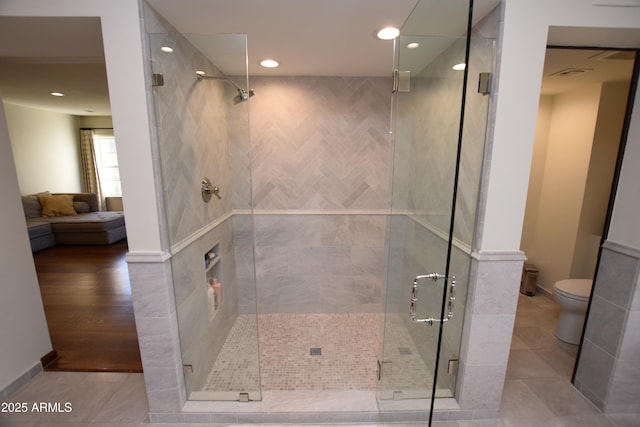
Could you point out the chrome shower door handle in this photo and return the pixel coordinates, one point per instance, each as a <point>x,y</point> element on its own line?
<point>414,298</point>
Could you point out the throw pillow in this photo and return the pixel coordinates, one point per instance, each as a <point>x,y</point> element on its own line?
<point>31,206</point>
<point>60,205</point>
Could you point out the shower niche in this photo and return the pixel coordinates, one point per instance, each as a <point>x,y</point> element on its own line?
<point>213,273</point>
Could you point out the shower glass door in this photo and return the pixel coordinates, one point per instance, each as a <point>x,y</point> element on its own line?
<point>203,137</point>
<point>427,126</point>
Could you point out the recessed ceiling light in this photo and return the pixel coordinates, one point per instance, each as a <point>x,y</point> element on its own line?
<point>388,33</point>
<point>460,67</point>
<point>200,73</point>
<point>57,94</point>
<point>413,45</point>
<point>269,63</point>
<point>166,49</point>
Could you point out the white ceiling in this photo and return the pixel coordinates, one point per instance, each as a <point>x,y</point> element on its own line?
<point>309,37</point>
<point>41,55</point>
<point>567,69</point>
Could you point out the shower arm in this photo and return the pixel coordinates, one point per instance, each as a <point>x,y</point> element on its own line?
<point>243,92</point>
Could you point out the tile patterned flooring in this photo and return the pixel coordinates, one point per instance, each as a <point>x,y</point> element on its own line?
<point>537,390</point>
<point>349,345</point>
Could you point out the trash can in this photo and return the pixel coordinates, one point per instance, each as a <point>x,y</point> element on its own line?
<point>529,280</point>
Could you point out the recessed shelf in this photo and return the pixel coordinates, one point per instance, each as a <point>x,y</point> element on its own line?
<point>213,285</point>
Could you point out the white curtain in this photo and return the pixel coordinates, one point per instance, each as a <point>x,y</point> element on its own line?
<point>90,176</point>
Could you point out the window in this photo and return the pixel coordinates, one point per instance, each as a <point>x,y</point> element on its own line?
<point>107,164</point>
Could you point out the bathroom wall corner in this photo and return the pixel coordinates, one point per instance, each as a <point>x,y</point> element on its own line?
<point>604,374</point>
<point>488,328</point>
<point>158,338</point>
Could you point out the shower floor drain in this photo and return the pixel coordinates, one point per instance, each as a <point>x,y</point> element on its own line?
<point>404,350</point>
<point>315,351</point>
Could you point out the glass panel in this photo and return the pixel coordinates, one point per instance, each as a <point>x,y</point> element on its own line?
<point>203,132</point>
<point>427,126</point>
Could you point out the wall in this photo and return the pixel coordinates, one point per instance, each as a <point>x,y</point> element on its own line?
<point>96,122</point>
<point>536,179</point>
<point>556,210</point>
<point>45,146</point>
<point>525,27</point>
<point>321,165</point>
<point>120,22</point>
<point>608,371</point>
<point>604,153</point>
<point>572,172</point>
<point>23,329</point>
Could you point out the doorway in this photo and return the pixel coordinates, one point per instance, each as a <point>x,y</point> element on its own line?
<point>85,289</point>
<point>580,125</point>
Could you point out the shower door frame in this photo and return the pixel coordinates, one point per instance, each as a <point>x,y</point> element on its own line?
<point>419,283</point>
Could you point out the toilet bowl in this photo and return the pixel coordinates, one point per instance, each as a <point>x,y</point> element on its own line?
<point>573,297</point>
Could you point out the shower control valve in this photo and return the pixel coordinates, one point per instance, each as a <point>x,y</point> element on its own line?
<point>207,189</point>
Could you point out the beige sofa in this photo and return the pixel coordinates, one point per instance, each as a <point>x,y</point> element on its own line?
<point>70,219</point>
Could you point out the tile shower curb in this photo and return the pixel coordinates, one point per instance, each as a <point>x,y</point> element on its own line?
<point>252,414</point>
<point>315,417</point>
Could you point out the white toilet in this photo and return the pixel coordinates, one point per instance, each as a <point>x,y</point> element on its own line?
<point>573,297</point>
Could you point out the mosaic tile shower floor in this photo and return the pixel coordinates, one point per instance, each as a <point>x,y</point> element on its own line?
<point>349,345</point>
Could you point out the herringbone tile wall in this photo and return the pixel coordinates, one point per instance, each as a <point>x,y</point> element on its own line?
<point>321,142</point>
<point>193,135</point>
<point>321,164</point>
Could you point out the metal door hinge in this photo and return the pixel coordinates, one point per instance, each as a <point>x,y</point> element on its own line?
<point>157,79</point>
<point>384,368</point>
<point>484,83</point>
<point>452,366</point>
<point>401,81</point>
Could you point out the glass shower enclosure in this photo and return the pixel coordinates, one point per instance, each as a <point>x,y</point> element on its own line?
<point>439,121</point>
<point>397,258</point>
<point>204,156</point>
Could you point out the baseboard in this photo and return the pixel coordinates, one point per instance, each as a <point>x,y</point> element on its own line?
<point>543,291</point>
<point>49,358</point>
<point>14,385</point>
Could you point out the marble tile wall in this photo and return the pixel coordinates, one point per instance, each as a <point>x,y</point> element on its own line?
<point>428,122</point>
<point>608,372</point>
<point>427,132</point>
<point>243,239</point>
<point>488,326</point>
<point>193,139</point>
<point>202,336</point>
<point>331,263</point>
<point>320,142</point>
<point>156,322</point>
<point>321,159</point>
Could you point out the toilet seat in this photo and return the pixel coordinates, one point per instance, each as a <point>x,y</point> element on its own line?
<point>577,289</point>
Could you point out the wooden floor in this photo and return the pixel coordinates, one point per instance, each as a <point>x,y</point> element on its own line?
<point>87,300</point>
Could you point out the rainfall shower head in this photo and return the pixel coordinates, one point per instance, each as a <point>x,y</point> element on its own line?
<point>243,94</point>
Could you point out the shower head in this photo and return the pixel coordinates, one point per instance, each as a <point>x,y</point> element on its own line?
<point>243,94</point>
